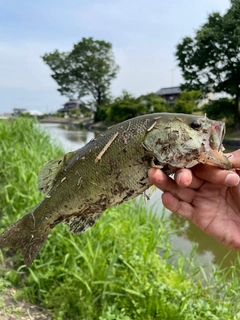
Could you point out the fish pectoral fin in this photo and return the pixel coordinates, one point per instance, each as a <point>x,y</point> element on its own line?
<point>149,192</point>
<point>50,171</point>
<point>81,223</point>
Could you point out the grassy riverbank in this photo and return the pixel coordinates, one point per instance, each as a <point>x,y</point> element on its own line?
<point>118,269</point>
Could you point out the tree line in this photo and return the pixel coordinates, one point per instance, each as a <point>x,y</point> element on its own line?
<point>209,61</point>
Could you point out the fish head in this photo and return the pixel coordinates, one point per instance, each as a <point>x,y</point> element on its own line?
<point>182,141</point>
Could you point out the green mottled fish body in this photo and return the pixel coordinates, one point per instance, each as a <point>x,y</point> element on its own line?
<point>111,169</point>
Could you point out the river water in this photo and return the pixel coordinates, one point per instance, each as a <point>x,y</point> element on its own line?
<point>208,251</point>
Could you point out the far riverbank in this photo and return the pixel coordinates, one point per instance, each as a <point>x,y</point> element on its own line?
<point>84,123</point>
<point>89,124</point>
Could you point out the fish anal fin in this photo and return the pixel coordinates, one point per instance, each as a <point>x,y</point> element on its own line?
<point>50,171</point>
<point>81,223</point>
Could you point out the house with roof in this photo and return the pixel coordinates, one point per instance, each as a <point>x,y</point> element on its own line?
<point>169,94</point>
<point>18,111</point>
<point>71,105</point>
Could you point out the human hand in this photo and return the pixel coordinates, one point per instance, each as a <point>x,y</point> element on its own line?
<point>206,195</point>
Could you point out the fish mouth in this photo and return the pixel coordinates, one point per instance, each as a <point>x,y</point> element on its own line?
<point>215,137</point>
<point>214,149</point>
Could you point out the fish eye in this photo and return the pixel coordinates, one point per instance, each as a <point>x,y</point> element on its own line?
<point>196,125</point>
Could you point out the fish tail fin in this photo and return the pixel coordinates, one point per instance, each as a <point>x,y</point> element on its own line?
<point>26,235</point>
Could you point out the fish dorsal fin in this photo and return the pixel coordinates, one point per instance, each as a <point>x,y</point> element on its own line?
<point>49,172</point>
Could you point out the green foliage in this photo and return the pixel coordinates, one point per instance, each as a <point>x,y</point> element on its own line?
<point>86,112</point>
<point>23,150</point>
<point>154,103</point>
<point>59,114</point>
<point>124,107</point>
<point>127,106</point>
<point>101,113</point>
<point>220,109</point>
<point>187,101</point>
<point>25,115</point>
<point>116,270</point>
<point>75,113</point>
<point>86,70</point>
<point>211,60</point>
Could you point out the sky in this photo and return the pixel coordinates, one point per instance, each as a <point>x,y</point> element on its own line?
<point>144,35</point>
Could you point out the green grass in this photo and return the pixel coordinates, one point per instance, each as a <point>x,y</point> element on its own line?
<point>23,151</point>
<point>119,269</point>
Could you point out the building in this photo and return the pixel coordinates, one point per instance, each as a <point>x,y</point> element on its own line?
<point>35,113</point>
<point>70,105</point>
<point>18,111</point>
<point>209,97</point>
<point>172,93</point>
<point>169,94</point>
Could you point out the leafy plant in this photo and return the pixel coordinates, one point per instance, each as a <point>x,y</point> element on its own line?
<point>210,62</point>
<point>187,101</point>
<point>220,109</point>
<point>127,106</point>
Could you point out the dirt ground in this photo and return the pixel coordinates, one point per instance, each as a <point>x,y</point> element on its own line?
<point>10,309</point>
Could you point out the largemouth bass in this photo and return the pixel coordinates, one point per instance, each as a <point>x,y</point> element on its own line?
<point>111,169</point>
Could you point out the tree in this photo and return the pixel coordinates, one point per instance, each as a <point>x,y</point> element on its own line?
<point>211,60</point>
<point>154,103</point>
<point>127,106</point>
<point>124,107</point>
<point>220,109</point>
<point>86,70</point>
<point>187,101</point>
<point>75,113</point>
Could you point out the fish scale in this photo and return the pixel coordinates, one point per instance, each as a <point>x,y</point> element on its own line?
<point>111,169</point>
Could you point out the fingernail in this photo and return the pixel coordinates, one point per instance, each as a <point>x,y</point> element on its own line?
<point>232,180</point>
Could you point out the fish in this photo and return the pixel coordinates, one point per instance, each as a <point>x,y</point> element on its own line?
<point>111,169</point>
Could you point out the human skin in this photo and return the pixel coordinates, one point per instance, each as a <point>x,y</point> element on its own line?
<point>206,195</point>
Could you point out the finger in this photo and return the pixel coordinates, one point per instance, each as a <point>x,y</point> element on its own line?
<point>160,179</point>
<point>185,178</point>
<point>234,158</point>
<point>216,175</point>
<point>173,204</point>
<point>165,183</point>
